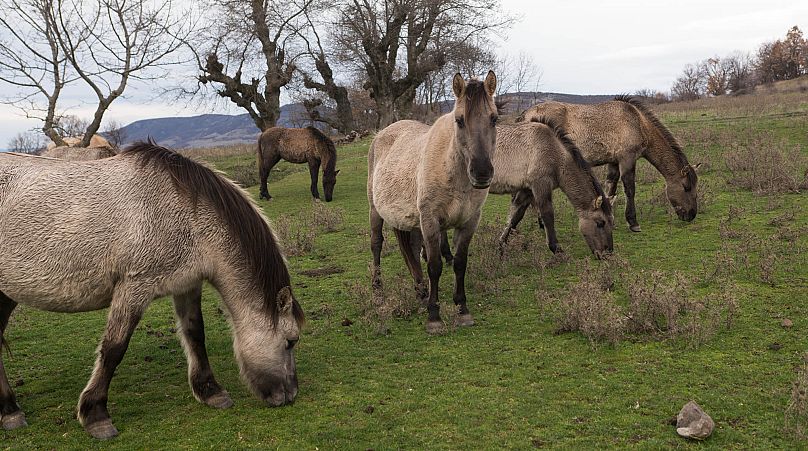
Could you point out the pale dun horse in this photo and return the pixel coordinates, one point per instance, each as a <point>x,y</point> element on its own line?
<point>422,180</point>
<point>124,231</point>
<point>616,134</point>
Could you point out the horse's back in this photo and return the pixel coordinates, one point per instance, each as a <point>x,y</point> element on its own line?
<point>70,231</point>
<point>605,132</point>
<point>525,152</point>
<point>294,145</point>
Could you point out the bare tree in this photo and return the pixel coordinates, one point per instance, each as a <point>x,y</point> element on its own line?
<point>103,43</point>
<point>115,133</point>
<point>395,44</point>
<point>27,142</point>
<point>690,85</point>
<point>716,72</point>
<point>741,75</point>
<point>253,53</point>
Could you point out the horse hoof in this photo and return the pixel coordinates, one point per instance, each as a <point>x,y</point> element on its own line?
<point>435,328</point>
<point>102,430</point>
<point>14,420</point>
<point>464,320</point>
<point>220,400</point>
<point>635,228</point>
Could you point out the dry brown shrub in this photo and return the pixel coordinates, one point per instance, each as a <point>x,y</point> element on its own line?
<point>485,267</point>
<point>590,309</point>
<point>246,175</point>
<point>297,237</point>
<point>396,297</point>
<point>765,165</point>
<point>328,219</point>
<point>796,415</point>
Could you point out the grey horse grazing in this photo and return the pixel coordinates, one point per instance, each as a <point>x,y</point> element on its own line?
<point>422,180</point>
<point>122,232</point>
<point>535,158</point>
<point>619,132</point>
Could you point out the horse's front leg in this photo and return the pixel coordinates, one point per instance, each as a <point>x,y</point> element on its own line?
<point>125,312</point>
<point>314,171</point>
<point>627,173</point>
<point>191,330</point>
<point>10,414</point>
<point>462,240</point>
<point>544,197</point>
<point>430,228</point>
<point>266,168</point>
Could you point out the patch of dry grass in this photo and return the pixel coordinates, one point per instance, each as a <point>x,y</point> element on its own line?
<point>796,415</point>
<point>765,165</point>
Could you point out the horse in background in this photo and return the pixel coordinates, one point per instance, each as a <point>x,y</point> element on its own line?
<point>619,132</point>
<point>98,149</point>
<point>424,179</point>
<point>298,145</point>
<point>122,232</point>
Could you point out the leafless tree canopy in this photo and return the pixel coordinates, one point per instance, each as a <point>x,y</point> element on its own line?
<point>27,142</point>
<point>47,45</point>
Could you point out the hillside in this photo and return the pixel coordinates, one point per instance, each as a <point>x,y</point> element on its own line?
<point>210,130</point>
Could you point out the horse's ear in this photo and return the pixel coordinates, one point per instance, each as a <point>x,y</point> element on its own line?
<point>696,167</point>
<point>613,200</point>
<point>336,172</point>
<point>285,300</point>
<point>491,83</point>
<point>597,202</point>
<point>458,85</point>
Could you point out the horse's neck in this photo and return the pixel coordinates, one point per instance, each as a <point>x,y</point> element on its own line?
<point>576,183</point>
<point>442,143</point>
<point>663,157</point>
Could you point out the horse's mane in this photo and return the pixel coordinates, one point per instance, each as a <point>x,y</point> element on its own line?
<point>251,230</point>
<point>562,135</point>
<point>329,149</point>
<point>476,96</point>
<point>666,134</point>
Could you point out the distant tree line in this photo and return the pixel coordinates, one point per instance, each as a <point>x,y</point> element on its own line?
<point>738,73</point>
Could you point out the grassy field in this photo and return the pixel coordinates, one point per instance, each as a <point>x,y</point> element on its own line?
<point>372,378</point>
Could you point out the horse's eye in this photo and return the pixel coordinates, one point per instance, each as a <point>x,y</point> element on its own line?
<point>494,120</point>
<point>291,343</point>
<point>601,224</point>
<point>460,122</point>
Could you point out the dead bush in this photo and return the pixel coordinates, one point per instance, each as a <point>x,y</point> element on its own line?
<point>327,219</point>
<point>396,297</point>
<point>485,267</point>
<point>796,415</point>
<point>296,237</point>
<point>765,165</point>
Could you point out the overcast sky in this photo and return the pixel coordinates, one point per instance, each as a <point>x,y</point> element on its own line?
<point>582,47</point>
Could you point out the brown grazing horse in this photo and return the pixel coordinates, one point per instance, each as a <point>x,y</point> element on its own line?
<point>121,232</point>
<point>422,180</point>
<point>298,145</point>
<point>619,132</point>
<point>531,161</point>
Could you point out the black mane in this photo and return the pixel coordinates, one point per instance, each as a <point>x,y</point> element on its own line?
<point>255,239</point>
<point>327,144</point>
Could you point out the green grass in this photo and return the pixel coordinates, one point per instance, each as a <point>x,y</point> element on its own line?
<point>510,381</point>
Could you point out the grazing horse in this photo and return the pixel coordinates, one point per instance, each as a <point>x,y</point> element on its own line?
<point>619,132</point>
<point>71,153</point>
<point>73,141</point>
<point>298,145</point>
<point>122,232</point>
<point>535,158</point>
<point>422,180</point>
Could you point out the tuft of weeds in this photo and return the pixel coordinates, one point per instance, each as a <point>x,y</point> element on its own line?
<point>392,297</point>
<point>327,219</point>
<point>796,415</point>
<point>485,267</point>
<point>296,237</point>
<point>246,175</point>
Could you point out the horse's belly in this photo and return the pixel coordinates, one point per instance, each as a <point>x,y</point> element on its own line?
<point>68,294</point>
<point>394,198</point>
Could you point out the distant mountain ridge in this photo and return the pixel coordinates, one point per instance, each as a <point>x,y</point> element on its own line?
<point>209,130</point>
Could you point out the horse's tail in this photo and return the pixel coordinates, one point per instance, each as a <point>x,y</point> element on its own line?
<point>569,145</point>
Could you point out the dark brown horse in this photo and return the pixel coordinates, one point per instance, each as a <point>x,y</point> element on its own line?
<point>298,145</point>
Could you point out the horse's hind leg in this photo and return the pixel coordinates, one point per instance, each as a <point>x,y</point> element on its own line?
<point>520,201</point>
<point>462,240</point>
<point>430,228</point>
<point>314,170</point>
<point>125,312</point>
<point>376,242</point>
<point>627,174</point>
<point>10,414</point>
<point>191,329</point>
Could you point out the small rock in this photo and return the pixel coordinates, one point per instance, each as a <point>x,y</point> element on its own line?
<point>693,422</point>
<point>346,322</point>
<point>787,323</point>
<point>369,409</point>
<point>775,346</point>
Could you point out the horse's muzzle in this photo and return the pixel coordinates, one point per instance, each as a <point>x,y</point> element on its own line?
<point>282,394</point>
<point>480,184</point>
